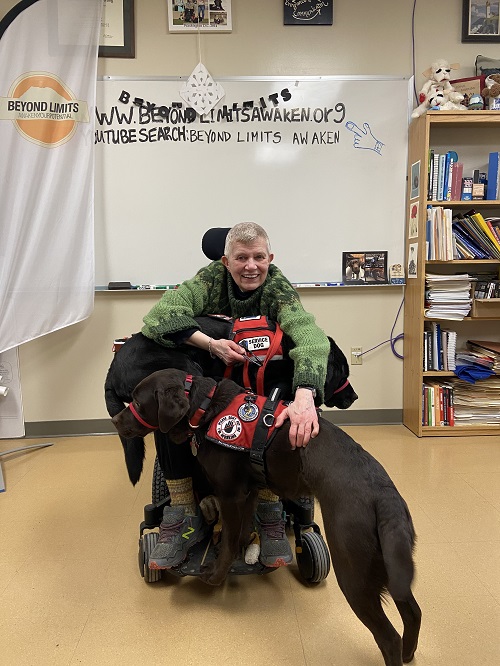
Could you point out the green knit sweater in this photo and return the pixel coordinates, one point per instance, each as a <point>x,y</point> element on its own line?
<point>211,291</point>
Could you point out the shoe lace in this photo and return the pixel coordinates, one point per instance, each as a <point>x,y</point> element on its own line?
<point>167,531</point>
<point>274,529</point>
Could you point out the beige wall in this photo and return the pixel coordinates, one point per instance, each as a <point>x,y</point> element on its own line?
<point>62,374</point>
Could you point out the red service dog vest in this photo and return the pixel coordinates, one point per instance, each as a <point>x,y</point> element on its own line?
<point>235,426</point>
<point>261,338</point>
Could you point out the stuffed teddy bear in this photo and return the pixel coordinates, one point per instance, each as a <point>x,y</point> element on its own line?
<point>492,90</point>
<point>438,100</point>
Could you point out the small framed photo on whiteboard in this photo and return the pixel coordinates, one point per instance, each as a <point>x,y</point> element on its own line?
<point>199,16</point>
<point>364,267</point>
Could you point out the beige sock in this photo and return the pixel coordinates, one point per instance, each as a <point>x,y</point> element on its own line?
<point>265,495</point>
<point>181,494</point>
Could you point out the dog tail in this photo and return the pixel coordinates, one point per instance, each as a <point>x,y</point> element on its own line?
<point>134,449</point>
<point>397,540</point>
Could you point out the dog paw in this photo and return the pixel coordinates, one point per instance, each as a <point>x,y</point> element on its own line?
<point>210,508</point>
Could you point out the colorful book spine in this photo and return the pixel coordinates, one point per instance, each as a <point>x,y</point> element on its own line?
<point>435,177</point>
<point>482,224</point>
<point>493,176</point>
<point>442,161</point>
<point>456,186</point>
<point>466,194</point>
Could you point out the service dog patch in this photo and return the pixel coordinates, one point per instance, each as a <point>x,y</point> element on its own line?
<point>248,412</point>
<point>236,425</point>
<point>228,427</point>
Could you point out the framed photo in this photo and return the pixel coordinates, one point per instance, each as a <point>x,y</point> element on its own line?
<point>364,267</point>
<point>117,29</point>
<point>308,12</point>
<point>199,15</point>
<point>415,180</point>
<point>480,21</point>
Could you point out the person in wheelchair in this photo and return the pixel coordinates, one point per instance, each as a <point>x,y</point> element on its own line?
<point>243,282</point>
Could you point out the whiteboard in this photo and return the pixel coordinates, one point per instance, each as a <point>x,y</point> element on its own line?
<point>319,162</point>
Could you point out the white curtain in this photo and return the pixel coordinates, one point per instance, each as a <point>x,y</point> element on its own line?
<point>48,63</point>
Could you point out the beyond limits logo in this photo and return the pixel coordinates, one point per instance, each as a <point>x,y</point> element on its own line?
<point>43,109</point>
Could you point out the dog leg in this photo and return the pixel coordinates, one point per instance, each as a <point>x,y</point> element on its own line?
<point>358,565</point>
<point>411,615</point>
<point>365,602</point>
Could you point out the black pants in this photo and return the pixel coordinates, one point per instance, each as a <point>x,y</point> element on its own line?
<point>176,460</point>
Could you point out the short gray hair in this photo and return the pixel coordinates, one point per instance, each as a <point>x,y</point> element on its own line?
<point>246,233</point>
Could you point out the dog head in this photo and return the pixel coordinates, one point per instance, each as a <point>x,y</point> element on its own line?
<point>160,401</point>
<point>338,391</point>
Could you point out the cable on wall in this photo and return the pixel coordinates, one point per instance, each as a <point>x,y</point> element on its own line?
<point>392,339</point>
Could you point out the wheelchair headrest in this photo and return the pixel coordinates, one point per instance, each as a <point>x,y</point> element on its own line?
<point>213,242</point>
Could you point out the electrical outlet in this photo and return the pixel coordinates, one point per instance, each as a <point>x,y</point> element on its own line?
<point>356,358</point>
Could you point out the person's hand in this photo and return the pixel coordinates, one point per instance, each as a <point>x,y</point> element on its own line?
<point>303,417</point>
<point>228,351</point>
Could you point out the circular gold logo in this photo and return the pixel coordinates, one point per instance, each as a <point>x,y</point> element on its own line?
<point>44,110</point>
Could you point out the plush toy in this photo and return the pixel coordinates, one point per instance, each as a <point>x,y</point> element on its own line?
<point>492,90</point>
<point>438,76</point>
<point>437,100</point>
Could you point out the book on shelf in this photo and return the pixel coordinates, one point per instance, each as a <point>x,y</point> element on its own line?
<point>493,176</point>
<point>489,349</point>
<point>485,228</point>
<point>477,404</point>
<point>441,172</point>
<point>439,348</point>
<point>494,225</point>
<point>474,225</point>
<point>466,188</point>
<point>435,177</point>
<point>456,184</point>
<point>437,404</point>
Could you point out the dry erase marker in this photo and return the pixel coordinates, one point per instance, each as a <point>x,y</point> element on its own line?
<point>155,286</point>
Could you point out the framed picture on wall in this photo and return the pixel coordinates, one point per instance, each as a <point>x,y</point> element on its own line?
<point>117,38</point>
<point>199,15</point>
<point>364,267</point>
<point>308,12</point>
<point>480,21</point>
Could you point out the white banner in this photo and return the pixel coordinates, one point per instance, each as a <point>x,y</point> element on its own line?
<point>48,63</point>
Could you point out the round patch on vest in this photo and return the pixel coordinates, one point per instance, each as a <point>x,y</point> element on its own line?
<point>248,412</point>
<point>229,427</point>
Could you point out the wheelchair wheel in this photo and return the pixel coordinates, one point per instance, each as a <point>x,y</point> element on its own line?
<point>159,490</point>
<point>146,544</point>
<point>314,560</point>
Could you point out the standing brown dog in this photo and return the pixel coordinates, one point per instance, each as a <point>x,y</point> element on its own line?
<point>367,523</point>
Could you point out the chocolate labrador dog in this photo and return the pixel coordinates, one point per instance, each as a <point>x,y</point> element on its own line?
<point>368,526</point>
<point>140,356</point>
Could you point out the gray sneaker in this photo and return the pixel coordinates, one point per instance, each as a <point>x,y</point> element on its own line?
<point>275,550</point>
<point>178,533</point>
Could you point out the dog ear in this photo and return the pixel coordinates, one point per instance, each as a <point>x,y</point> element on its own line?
<point>172,406</point>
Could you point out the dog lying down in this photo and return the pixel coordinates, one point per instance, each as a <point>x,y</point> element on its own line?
<point>368,526</point>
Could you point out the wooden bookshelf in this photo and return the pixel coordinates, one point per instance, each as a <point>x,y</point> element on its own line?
<point>473,134</point>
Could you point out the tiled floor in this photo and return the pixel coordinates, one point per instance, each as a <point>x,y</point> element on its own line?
<point>71,592</point>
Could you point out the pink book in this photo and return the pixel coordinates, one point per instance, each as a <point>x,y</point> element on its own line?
<point>456,183</point>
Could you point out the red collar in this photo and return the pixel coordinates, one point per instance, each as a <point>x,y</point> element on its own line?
<point>341,388</point>
<point>140,419</point>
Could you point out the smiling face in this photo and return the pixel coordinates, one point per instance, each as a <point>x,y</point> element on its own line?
<point>248,263</point>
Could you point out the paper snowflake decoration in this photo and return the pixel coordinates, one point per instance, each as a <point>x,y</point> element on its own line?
<point>200,91</point>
